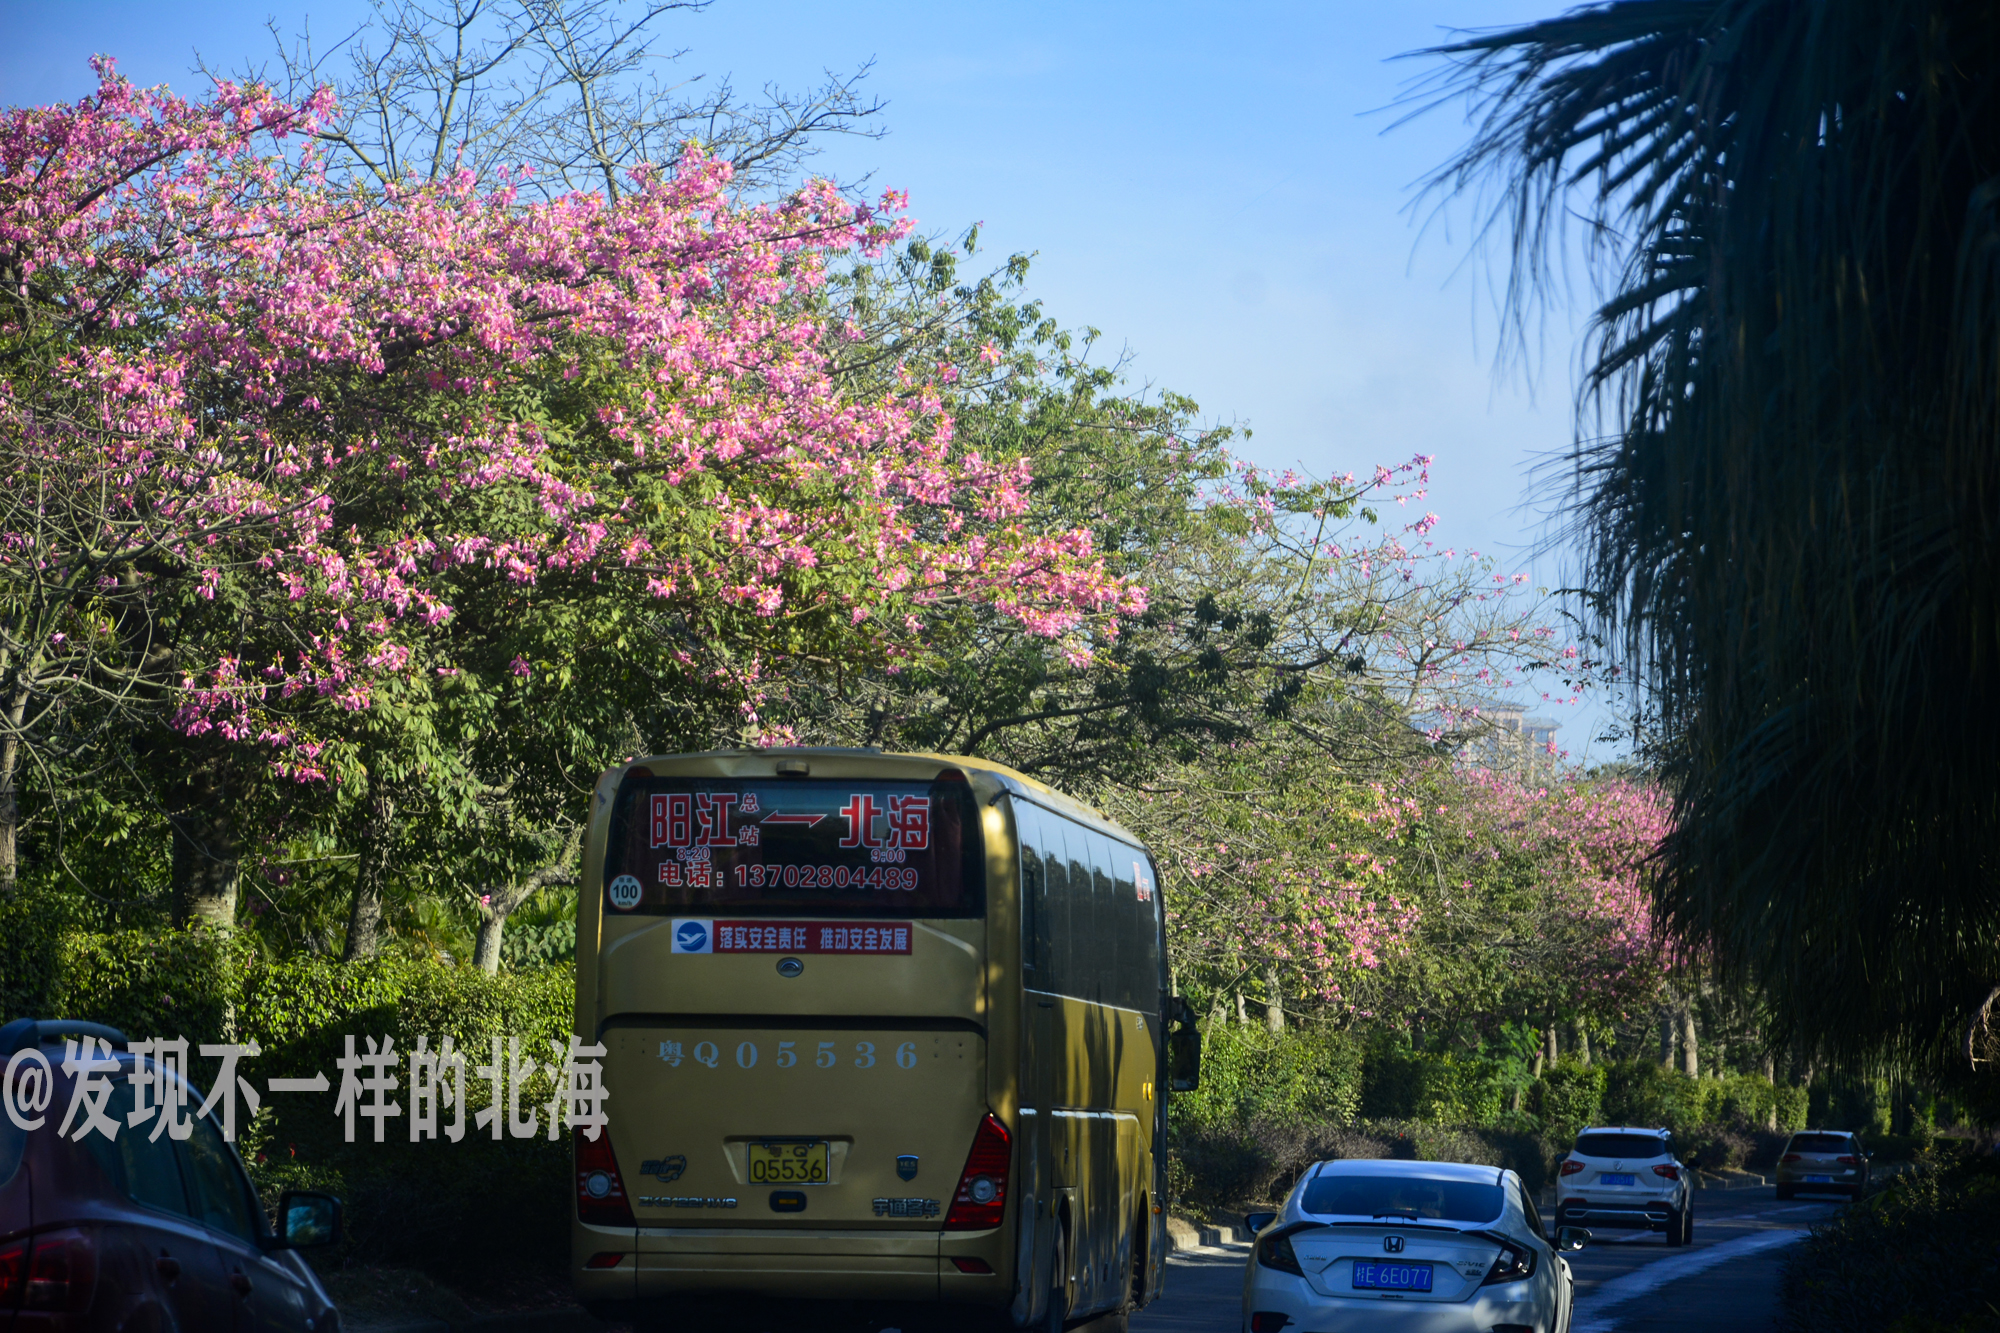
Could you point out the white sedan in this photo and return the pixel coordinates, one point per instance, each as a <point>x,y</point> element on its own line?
<point>1427,1247</point>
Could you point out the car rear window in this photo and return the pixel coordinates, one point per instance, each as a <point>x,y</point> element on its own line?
<point>1821,1143</point>
<point>1419,1198</point>
<point>1620,1145</point>
<point>782,846</point>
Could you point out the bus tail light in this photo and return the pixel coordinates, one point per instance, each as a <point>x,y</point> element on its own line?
<point>982,1186</point>
<point>600,1190</point>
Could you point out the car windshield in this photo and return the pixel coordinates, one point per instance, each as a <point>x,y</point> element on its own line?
<point>1821,1143</point>
<point>1620,1145</point>
<point>1416,1197</point>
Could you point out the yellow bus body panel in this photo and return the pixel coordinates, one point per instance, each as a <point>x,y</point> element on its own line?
<point>951,1037</point>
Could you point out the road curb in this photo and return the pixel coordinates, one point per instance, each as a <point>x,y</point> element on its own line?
<point>1728,1180</point>
<point>1186,1234</point>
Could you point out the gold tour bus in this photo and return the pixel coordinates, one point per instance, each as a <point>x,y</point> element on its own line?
<point>879,1028</point>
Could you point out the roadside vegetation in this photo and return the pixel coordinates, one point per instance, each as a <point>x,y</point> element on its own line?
<point>372,498</point>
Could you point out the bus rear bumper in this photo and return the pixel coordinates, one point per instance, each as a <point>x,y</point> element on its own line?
<point>797,1264</point>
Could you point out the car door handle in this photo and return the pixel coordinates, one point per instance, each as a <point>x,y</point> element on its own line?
<point>239,1283</point>
<point>168,1266</point>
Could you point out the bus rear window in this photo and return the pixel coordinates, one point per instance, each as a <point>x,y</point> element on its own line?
<point>812,847</point>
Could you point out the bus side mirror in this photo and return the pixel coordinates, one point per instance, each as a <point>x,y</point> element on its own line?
<point>1183,1046</point>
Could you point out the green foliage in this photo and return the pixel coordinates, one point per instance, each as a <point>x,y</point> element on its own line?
<point>1247,1073</point>
<point>406,1203</point>
<point>1921,1256</point>
<point>1400,1083</point>
<point>1569,1094</point>
<point>1790,424</point>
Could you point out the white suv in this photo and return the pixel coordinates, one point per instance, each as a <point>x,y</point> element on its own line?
<point>1625,1177</point>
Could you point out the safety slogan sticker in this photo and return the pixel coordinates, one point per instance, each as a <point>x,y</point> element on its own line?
<point>699,936</point>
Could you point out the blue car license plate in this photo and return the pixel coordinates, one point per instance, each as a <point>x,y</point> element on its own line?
<point>1819,1180</point>
<point>1370,1275</point>
<point>1613,1178</point>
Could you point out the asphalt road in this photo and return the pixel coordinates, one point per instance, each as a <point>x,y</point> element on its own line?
<point>1626,1281</point>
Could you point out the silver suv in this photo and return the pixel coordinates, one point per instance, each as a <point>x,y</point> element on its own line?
<point>1619,1176</point>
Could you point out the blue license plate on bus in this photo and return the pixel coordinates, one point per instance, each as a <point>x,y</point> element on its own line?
<point>1613,1178</point>
<point>1819,1180</point>
<point>1373,1276</point>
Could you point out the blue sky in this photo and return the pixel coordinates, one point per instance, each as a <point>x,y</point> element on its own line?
<point>1216,187</point>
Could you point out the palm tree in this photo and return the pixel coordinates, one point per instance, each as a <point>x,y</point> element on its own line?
<point>1787,476</point>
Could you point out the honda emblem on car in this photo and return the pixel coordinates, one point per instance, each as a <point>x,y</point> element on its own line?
<point>1392,1244</point>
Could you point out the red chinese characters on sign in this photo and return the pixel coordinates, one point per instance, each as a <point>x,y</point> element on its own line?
<point>882,937</point>
<point>702,819</point>
<point>910,822</point>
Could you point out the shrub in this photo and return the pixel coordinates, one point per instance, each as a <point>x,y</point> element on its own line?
<point>1922,1256</point>
<point>1310,1075</point>
<point>1401,1083</point>
<point>406,1202</point>
<point>1568,1094</point>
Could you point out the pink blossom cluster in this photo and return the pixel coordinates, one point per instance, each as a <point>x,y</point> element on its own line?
<point>1590,843</point>
<point>260,357</point>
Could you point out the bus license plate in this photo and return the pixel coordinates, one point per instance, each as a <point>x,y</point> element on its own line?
<point>794,1163</point>
<point>1370,1275</point>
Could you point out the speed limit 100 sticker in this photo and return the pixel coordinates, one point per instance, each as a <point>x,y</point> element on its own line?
<point>796,1053</point>
<point>624,893</point>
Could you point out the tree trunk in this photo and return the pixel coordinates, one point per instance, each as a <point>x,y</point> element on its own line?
<point>1769,1068</point>
<point>1549,1051</point>
<point>10,805</point>
<point>205,849</point>
<point>1242,1010</point>
<point>371,881</point>
<point>1690,1065</point>
<point>1581,1033</point>
<point>1666,1038</point>
<point>1274,1002</point>
<point>486,945</point>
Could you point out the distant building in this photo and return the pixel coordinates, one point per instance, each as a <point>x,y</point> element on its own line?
<point>1502,736</point>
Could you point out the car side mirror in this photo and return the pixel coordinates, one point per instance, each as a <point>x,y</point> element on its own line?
<point>1868,1156</point>
<point>1571,1239</point>
<point>307,1220</point>
<point>1694,1163</point>
<point>1258,1221</point>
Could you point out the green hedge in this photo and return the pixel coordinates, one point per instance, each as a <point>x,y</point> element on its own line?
<point>407,1202</point>
<point>1309,1075</point>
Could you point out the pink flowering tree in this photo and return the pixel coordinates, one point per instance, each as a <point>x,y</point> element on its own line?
<point>290,433</point>
<point>1535,893</point>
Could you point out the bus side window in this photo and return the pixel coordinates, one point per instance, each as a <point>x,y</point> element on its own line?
<point>1034,899</point>
<point>1057,918</point>
<point>1109,921</point>
<point>1136,989</point>
<point>1083,959</point>
<point>1157,980</point>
